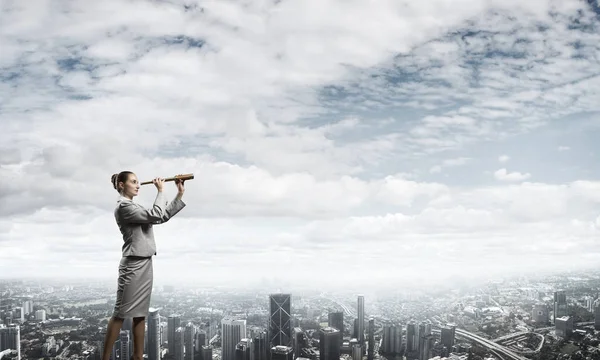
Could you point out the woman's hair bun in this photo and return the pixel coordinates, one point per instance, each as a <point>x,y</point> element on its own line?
<point>113,180</point>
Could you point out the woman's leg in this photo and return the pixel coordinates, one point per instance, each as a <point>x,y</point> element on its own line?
<point>139,324</point>
<point>112,333</point>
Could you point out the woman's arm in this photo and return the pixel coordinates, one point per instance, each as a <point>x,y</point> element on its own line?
<point>130,212</point>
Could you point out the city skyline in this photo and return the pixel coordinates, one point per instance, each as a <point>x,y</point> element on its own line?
<point>427,142</point>
<point>503,320</point>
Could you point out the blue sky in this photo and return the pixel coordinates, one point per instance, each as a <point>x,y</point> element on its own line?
<point>454,136</point>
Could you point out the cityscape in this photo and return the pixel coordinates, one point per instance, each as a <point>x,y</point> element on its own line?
<point>365,180</point>
<point>545,317</point>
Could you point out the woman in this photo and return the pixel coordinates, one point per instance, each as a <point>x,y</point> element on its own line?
<point>135,269</point>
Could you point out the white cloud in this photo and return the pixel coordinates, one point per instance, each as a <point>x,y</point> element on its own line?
<point>449,163</point>
<point>564,148</point>
<point>504,175</point>
<point>311,136</point>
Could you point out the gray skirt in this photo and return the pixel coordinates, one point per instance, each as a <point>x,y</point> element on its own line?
<point>134,287</point>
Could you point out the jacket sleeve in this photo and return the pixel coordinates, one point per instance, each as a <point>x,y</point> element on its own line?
<point>160,213</point>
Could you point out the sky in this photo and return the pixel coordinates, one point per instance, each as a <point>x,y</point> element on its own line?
<point>333,143</point>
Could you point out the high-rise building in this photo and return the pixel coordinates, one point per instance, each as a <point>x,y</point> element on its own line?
<point>188,341</point>
<point>560,304</point>
<point>232,332</point>
<point>124,344</point>
<point>280,325</point>
<point>597,314</point>
<point>19,314</point>
<point>539,314</point>
<point>386,341</point>
<point>153,334</point>
<point>10,338</point>
<point>128,326</point>
<point>40,315</point>
<point>412,337</point>
<point>392,339</point>
<point>207,352</point>
<point>173,323</point>
<point>448,335</point>
<point>428,343</point>
<point>28,307</point>
<point>424,332</point>
<point>299,341</point>
<point>200,341</point>
<point>336,320</point>
<point>179,343</point>
<point>361,320</point>
<point>259,348</point>
<point>371,349</point>
<point>280,352</point>
<point>563,326</point>
<point>356,352</point>
<point>242,350</point>
<point>329,344</point>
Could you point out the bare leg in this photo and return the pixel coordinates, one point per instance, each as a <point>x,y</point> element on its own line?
<point>139,324</point>
<point>112,333</point>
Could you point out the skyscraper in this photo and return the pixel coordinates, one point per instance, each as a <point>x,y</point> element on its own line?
<point>299,341</point>
<point>153,334</point>
<point>560,304</point>
<point>242,349</point>
<point>188,341</point>
<point>280,325</point>
<point>412,337</point>
<point>361,320</point>
<point>232,332</point>
<point>259,347</point>
<point>329,344</point>
<point>356,352</point>
<point>174,322</point>
<point>280,352</point>
<point>200,341</point>
<point>597,314</point>
<point>336,320</point>
<point>428,343</point>
<point>10,338</point>
<point>371,354</point>
<point>179,343</point>
<point>448,335</point>
<point>424,332</point>
<point>392,339</point>
<point>539,314</point>
<point>207,352</point>
<point>124,344</point>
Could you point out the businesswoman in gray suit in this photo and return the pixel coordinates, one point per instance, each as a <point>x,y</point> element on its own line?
<point>135,269</point>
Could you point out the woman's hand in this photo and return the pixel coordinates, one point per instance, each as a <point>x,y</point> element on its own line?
<point>180,185</point>
<point>158,182</point>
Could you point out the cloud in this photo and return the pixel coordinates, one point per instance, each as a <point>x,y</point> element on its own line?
<point>503,158</point>
<point>449,163</point>
<point>504,175</point>
<point>311,136</point>
<point>564,148</point>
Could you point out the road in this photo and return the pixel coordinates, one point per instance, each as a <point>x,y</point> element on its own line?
<point>347,311</point>
<point>488,344</point>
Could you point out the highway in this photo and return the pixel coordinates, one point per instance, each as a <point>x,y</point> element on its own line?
<point>346,310</point>
<point>506,337</point>
<point>490,344</point>
<point>487,343</point>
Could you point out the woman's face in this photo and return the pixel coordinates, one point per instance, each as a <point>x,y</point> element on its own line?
<point>131,186</point>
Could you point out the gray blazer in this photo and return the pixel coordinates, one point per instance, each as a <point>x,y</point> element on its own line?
<point>135,223</point>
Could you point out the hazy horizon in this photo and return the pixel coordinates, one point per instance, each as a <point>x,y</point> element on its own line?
<point>405,142</point>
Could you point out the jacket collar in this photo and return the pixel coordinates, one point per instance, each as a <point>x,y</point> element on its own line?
<point>123,198</point>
